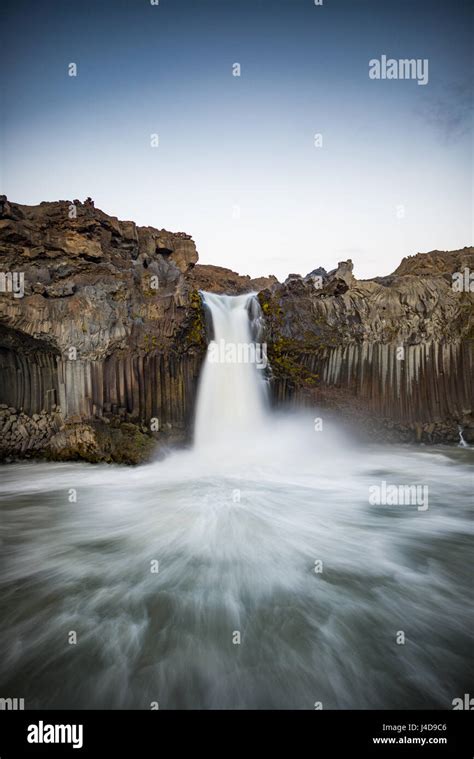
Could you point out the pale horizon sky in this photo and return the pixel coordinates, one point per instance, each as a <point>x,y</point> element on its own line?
<point>236,165</point>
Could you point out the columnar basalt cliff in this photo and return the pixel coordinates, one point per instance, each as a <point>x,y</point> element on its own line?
<point>107,337</point>
<point>395,354</point>
<point>102,343</point>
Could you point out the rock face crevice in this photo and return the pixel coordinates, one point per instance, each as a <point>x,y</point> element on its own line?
<point>103,334</point>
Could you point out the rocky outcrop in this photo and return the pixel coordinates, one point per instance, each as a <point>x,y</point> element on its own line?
<point>102,335</point>
<point>393,353</point>
<point>25,435</point>
<point>108,328</point>
<point>216,279</point>
<point>107,325</point>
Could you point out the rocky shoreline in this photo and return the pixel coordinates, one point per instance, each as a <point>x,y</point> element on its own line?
<point>100,353</point>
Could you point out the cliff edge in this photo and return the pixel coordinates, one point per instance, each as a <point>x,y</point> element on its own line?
<point>103,333</point>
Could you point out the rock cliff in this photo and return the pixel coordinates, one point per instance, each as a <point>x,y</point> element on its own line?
<point>102,337</point>
<point>106,339</point>
<point>393,354</point>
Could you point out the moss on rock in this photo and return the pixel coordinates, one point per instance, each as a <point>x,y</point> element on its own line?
<point>194,331</point>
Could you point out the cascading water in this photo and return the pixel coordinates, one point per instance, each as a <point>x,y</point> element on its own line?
<point>462,443</point>
<point>251,571</point>
<point>231,392</point>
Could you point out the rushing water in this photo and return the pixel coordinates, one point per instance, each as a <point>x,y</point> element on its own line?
<point>241,530</point>
<point>231,393</point>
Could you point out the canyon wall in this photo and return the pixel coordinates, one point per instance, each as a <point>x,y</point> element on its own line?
<point>102,337</point>
<point>393,354</point>
<point>107,337</point>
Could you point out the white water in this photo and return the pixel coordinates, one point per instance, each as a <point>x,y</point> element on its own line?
<point>462,442</point>
<point>237,526</point>
<point>231,395</point>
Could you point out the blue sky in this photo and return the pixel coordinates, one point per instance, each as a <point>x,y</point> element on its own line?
<point>236,164</point>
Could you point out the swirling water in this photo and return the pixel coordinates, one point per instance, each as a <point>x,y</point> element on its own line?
<point>255,573</point>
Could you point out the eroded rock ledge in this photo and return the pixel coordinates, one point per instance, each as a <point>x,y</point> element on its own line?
<point>101,356</point>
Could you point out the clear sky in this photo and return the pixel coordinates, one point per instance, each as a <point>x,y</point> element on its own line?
<point>236,165</point>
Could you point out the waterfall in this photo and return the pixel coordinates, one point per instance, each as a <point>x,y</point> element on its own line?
<point>462,443</point>
<point>231,397</point>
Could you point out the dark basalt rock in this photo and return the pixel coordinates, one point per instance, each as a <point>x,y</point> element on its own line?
<point>394,354</point>
<point>111,332</point>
